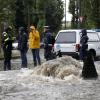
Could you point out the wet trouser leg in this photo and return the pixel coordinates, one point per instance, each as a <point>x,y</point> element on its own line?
<point>7,60</point>
<point>47,53</point>
<point>38,56</point>
<point>81,54</point>
<point>24,59</point>
<point>5,64</point>
<point>34,57</point>
<point>9,64</point>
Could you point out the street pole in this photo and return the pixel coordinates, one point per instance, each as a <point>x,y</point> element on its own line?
<point>65,14</point>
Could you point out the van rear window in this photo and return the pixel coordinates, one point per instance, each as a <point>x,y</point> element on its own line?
<point>93,37</point>
<point>66,37</point>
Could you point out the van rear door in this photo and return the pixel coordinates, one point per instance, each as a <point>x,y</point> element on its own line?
<point>65,41</point>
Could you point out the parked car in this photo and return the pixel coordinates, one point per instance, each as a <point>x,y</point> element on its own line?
<point>68,41</point>
<point>15,45</point>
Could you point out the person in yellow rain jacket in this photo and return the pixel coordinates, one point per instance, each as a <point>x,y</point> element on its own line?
<point>34,45</point>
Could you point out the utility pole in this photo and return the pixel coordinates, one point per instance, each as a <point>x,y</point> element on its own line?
<point>65,14</point>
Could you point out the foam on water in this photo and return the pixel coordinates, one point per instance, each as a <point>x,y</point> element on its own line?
<point>59,68</point>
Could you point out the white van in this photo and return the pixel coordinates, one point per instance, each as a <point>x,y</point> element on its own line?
<point>68,41</point>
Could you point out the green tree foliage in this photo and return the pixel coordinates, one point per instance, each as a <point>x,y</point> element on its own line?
<point>6,15</point>
<point>30,11</point>
<point>53,11</point>
<point>20,14</point>
<point>95,14</point>
<point>6,11</point>
<point>27,12</point>
<point>90,10</point>
<point>72,11</point>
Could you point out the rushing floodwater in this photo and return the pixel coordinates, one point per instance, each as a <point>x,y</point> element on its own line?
<point>54,80</point>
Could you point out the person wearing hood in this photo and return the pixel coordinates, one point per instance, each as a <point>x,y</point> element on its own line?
<point>22,46</point>
<point>83,44</point>
<point>34,45</point>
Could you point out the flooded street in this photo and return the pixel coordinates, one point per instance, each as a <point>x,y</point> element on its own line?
<point>37,84</point>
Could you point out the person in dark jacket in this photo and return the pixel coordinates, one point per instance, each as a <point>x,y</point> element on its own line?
<point>48,43</point>
<point>22,46</point>
<point>7,40</point>
<point>84,44</point>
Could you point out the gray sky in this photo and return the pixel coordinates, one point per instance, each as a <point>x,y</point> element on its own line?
<point>68,15</point>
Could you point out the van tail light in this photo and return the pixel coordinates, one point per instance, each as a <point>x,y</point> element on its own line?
<point>77,46</point>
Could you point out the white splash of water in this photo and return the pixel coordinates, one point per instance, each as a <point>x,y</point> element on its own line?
<point>59,68</point>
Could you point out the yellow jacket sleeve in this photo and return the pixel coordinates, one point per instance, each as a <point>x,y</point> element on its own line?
<point>34,39</point>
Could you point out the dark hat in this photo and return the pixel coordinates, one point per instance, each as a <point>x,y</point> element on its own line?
<point>84,32</point>
<point>21,29</point>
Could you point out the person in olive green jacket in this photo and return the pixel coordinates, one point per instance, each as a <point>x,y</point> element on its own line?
<point>34,45</point>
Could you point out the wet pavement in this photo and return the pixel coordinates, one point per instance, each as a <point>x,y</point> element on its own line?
<point>16,62</point>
